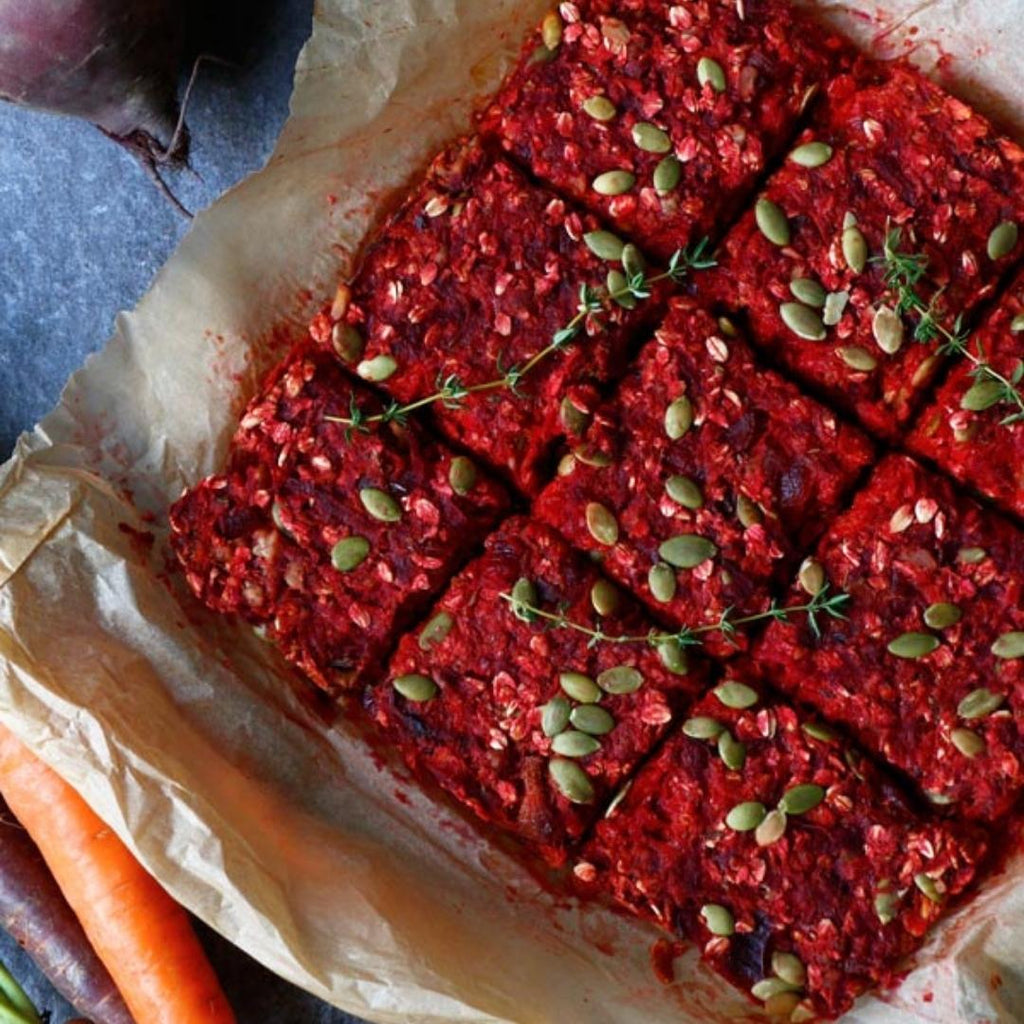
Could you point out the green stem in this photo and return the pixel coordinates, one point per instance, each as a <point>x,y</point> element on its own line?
<point>15,1006</point>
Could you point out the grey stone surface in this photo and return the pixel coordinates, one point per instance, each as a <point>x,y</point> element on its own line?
<point>82,232</point>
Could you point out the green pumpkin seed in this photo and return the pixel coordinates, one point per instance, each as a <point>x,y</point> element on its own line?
<point>347,342</point>
<point>618,291</point>
<point>942,615</point>
<point>801,799</point>
<point>667,174</point>
<point>1003,240</point>
<point>604,598</point>
<point>718,919</point>
<point>380,505</point>
<point>783,1005</point>
<point>769,987</point>
<point>1017,324</point>
<point>566,464</point>
<point>673,657</point>
<point>661,579</point>
<point>772,222</point>
<point>633,261</point>
<point>600,108</point>
<point>278,520</point>
<point>886,906</point>
<point>687,550</point>
<point>462,475</point>
<point>580,687</point>
<point>592,457</point>
<point>857,358</point>
<point>970,744</point>
<point>551,30</point>
<point>703,727</point>
<point>727,327</point>
<point>789,967</point>
<point>913,645</point>
<point>736,695</point>
<point>604,245</point>
<point>835,306</point>
<point>349,553</point>
<point>855,248</point>
<point>377,369</point>
<point>732,752</point>
<point>811,154</point>
<point>684,491</point>
<point>849,220</point>
<point>1009,646</point>
<point>710,72</point>
<point>811,576</point>
<point>678,417</point>
<point>575,744</point>
<point>802,321</point>
<point>887,327</point>
<point>928,887</point>
<point>571,781</point>
<point>415,687</point>
<point>574,419</point>
<point>613,183</point>
<point>939,799</point>
<point>818,731</point>
<point>620,679</point>
<point>808,291</point>
<point>435,631</point>
<point>748,512</point>
<point>591,719</point>
<point>603,526</point>
<point>971,556</point>
<point>650,138</point>
<point>524,598</point>
<point>554,716</point>
<point>979,703</point>
<point>617,799</point>
<point>745,817</point>
<point>982,395</point>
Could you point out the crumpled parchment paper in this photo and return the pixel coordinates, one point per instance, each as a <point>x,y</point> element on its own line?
<point>258,812</point>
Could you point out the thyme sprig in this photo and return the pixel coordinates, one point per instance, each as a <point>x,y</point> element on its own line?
<point>452,392</point>
<point>903,271</point>
<point>822,603</point>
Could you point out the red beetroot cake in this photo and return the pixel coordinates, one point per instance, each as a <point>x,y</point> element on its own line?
<point>928,673</point>
<point>963,430</point>
<point>483,732</point>
<point>701,442</point>
<point>807,909</point>
<point>900,154</point>
<point>261,539</point>
<point>473,275</point>
<point>713,89</point>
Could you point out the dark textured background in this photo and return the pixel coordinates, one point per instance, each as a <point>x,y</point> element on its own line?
<point>82,232</point>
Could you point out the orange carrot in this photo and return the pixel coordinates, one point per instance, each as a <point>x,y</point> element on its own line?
<point>143,937</point>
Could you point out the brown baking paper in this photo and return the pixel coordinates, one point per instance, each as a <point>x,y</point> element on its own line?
<point>276,828</point>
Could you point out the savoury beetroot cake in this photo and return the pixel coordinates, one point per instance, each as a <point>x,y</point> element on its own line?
<point>474,275</point>
<point>702,483</point>
<point>966,429</point>
<point>889,155</point>
<point>800,871</point>
<point>928,670</point>
<point>329,543</point>
<point>660,117</point>
<point>531,726</point>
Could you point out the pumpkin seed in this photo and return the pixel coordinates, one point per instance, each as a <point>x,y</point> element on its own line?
<point>849,220</point>
<point>277,517</point>
<point>732,752</point>
<point>703,727</point>
<point>554,716</point>
<point>633,262</point>
<point>650,138</point>
<point>782,1005</point>
<point>745,817</point>
<point>1009,646</point>
<point>435,631</point>
<point>1017,324</point>
<point>808,291</point>
<point>924,373</point>
<point>604,597</point>
<point>673,657</point>
<point>347,342</point>
<point>661,579</point>
<point>415,687</point>
<point>592,457</point>
<point>580,687</point>
<point>736,695</point>
<point>566,464</point>
<point>717,919</point>
<point>613,183</point>
<point>462,474</point>
<point>857,358</point>
<point>524,598</point>
<point>617,799</point>
<point>811,576</point>
<point>380,505</point>
<point>971,556</point>
<point>604,245</point>
<point>855,248</point>
<point>618,290</point>
<point>591,719</point>
<point>886,906</point>
<point>748,512</point>
<point>667,174</point>
<point>678,417</point>
<point>979,703</point>
<point>1003,240</point>
<point>811,154</point>
<point>571,781</point>
<point>600,108</point>
<point>789,967</point>
<point>802,321</point>
<point>803,1013</point>
<point>772,222</point>
<point>942,615</point>
<point>939,799</point>
<point>768,987</point>
<point>913,645</point>
<point>887,327</point>
<point>970,744</point>
<point>982,395</point>
<point>620,679</point>
<point>603,526</point>
<point>835,306</point>
<point>349,553</point>
<point>687,550</point>
<point>551,30</point>
<point>928,887</point>
<point>818,731</point>
<point>575,744</point>
<point>377,369</point>
<point>710,72</point>
<point>684,491</point>
<point>801,799</point>
<point>574,419</point>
